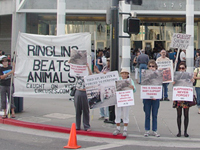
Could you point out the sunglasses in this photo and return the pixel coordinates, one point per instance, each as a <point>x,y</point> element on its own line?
<point>182,68</point>
<point>151,66</point>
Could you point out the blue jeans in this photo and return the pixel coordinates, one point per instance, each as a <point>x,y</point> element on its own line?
<point>104,112</point>
<point>148,106</point>
<point>165,90</point>
<point>198,96</point>
<point>142,66</point>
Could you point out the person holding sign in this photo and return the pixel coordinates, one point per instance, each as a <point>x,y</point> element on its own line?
<point>151,104</point>
<point>165,85</point>
<point>197,86</point>
<point>81,103</point>
<point>179,105</point>
<point>5,76</point>
<point>118,110</point>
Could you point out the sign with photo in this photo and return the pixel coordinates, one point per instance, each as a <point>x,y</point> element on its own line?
<point>151,84</point>
<point>42,68</point>
<point>124,92</point>
<point>100,89</point>
<point>167,70</point>
<point>78,62</point>
<point>180,41</point>
<point>183,86</point>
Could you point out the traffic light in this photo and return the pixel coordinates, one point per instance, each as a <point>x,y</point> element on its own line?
<point>131,25</point>
<point>134,2</point>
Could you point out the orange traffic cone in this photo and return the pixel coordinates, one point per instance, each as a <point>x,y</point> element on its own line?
<point>72,142</point>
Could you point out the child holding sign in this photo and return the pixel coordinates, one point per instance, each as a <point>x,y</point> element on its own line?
<point>124,75</point>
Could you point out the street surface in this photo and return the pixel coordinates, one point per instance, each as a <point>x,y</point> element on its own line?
<point>18,138</point>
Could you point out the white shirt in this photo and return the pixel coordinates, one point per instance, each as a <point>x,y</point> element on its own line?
<point>182,55</point>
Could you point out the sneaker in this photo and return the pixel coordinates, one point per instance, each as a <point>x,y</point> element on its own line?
<point>106,121</point>
<point>124,133</point>
<point>161,99</point>
<point>116,132</point>
<point>101,118</point>
<point>146,134</point>
<point>156,134</point>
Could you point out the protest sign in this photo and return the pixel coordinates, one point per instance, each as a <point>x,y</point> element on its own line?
<point>180,41</point>
<point>125,98</point>
<point>78,62</point>
<point>181,93</point>
<point>183,86</point>
<point>167,70</point>
<point>151,92</point>
<point>42,68</point>
<point>124,92</point>
<point>100,89</point>
<point>151,84</point>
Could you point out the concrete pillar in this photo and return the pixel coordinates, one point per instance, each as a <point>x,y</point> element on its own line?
<point>18,25</point>
<point>61,5</point>
<point>124,43</point>
<point>198,35</point>
<point>190,31</point>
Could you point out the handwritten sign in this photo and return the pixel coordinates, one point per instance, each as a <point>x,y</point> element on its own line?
<point>180,41</point>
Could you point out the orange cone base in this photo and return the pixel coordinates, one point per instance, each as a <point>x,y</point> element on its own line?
<point>72,147</point>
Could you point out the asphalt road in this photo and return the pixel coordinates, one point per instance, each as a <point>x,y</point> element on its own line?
<point>18,138</point>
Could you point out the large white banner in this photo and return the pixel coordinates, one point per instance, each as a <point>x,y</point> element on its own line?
<point>42,68</point>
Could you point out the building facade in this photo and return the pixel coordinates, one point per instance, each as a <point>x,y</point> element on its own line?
<point>159,20</point>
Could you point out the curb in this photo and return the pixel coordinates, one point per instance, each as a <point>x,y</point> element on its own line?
<point>58,129</point>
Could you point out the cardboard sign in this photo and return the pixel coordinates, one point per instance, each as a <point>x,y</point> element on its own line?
<point>182,93</point>
<point>180,41</point>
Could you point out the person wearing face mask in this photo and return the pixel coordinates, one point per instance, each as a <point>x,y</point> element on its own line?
<point>151,105</point>
<point>118,110</point>
<point>179,105</point>
<point>5,75</point>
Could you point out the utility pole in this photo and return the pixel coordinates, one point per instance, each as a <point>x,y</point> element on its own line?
<point>114,53</point>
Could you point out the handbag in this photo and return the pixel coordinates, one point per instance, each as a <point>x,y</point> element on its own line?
<point>194,102</point>
<point>195,80</point>
<point>73,90</point>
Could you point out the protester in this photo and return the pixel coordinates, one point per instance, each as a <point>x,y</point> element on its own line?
<point>99,62</point>
<point>5,76</point>
<point>81,103</point>
<point>151,105</point>
<point>165,85</point>
<point>179,105</point>
<point>183,55</point>
<point>197,86</point>
<point>136,65</point>
<point>118,110</point>
<point>197,59</point>
<point>104,114</point>
<point>142,60</point>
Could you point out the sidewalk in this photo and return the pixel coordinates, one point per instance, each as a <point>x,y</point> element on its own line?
<point>61,114</point>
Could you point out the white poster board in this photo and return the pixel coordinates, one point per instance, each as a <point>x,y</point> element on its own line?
<point>167,70</point>
<point>78,62</point>
<point>180,41</point>
<point>150,92</point>
<point>125,98</point>
<point>181,93</point>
